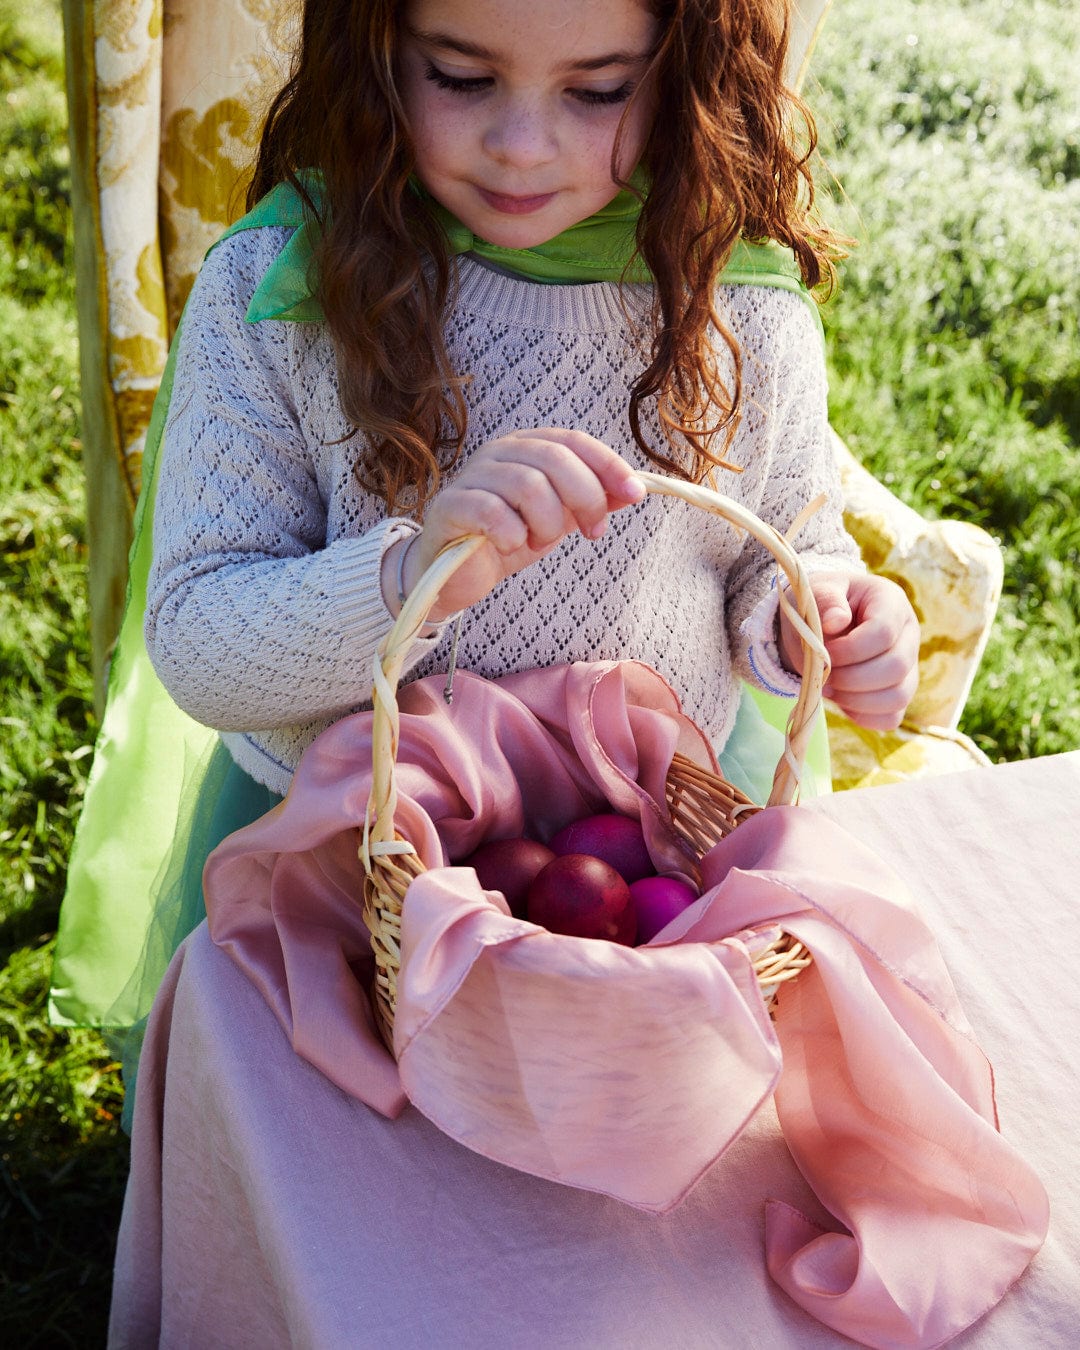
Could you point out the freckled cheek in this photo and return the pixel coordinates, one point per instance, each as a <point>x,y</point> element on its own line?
<point>601,158</point>
<point>438,143</point>
<point>634,139</point>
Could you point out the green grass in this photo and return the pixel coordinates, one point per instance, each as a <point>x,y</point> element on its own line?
<point>62,1159</point>
<point>954,132</point>
<point>63,1167</point>
<point>954,127</point>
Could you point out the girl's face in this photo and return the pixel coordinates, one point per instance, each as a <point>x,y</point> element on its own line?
<point>514,106</point>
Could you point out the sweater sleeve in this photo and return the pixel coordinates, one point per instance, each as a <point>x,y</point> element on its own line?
<point>785,395</point>
<point>254,620</point>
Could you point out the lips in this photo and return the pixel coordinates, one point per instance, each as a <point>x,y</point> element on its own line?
<point>515,206</point>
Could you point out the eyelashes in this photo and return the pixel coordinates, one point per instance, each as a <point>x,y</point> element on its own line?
<point>591,98</point>
<point>602,97</point>
<point>454,85</point>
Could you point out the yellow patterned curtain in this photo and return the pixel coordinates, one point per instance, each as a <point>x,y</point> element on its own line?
<point>165,101</point>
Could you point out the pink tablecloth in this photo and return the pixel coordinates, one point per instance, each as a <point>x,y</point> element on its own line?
<point>266,1208</point>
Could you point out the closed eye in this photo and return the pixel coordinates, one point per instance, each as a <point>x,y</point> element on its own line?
<point>478,84</point>
<point>456,85</point>
<point>603,97</point>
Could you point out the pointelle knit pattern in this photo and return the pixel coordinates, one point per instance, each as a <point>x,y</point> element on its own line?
<point>264,608</point>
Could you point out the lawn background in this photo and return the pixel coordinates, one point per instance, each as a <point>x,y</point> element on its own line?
<point>954,129</point>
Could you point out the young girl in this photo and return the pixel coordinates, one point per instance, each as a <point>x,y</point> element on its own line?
<point>500,256</point>
<point>470,172</point>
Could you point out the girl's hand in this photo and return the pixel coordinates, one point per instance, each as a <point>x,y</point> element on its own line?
<point>872,637</point>
<point>524,492</point>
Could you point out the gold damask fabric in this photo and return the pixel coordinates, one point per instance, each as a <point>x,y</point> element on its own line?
<point>127,67</point>
<point>180,88</point>
<point>167,99</point>
<point>223,63</point>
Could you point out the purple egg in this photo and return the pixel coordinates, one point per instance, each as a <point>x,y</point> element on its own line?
<point>657,900</point>
<point>614,839</point>
<point>509,866</point>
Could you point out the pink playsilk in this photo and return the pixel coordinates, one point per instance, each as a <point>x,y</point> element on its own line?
<point>629,1071</point>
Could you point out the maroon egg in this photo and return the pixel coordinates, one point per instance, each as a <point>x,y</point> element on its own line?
<point>614,839</point>
<point>509,866</point>
<point>582,896</point>
<point>657,900</point>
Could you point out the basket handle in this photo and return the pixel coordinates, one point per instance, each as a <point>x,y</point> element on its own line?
<point>798,603</point>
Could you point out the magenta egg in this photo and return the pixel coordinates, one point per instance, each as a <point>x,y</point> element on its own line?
<point>657,900</point>
<point>614,839</point>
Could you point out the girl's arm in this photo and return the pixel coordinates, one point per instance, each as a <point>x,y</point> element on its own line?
<point>254,617</point>
<point>871,631</point>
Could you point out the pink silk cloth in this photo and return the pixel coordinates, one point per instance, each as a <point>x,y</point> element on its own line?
<point>629,1071</point>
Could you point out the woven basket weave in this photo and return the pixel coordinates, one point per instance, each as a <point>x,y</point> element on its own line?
<point>704,807</point>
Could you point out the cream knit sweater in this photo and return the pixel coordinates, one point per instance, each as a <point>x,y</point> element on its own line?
<point>264,606</point>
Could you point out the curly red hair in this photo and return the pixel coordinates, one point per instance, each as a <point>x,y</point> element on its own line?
<point>727,158</point>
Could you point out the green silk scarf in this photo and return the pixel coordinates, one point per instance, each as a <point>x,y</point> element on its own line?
<point>600,248</point>
<point>151,760</point>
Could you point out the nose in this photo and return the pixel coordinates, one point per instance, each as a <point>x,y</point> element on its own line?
<point>521,134</point>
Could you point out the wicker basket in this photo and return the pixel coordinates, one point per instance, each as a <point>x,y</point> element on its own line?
<point>704,807</point>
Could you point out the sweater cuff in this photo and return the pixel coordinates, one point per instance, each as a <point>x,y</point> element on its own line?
<point>359,610</point>
<point>761,632</point>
